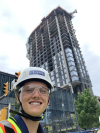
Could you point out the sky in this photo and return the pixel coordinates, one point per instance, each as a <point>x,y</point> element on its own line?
<point>19,18</point>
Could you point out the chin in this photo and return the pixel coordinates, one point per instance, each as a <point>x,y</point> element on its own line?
<point>35,113</point>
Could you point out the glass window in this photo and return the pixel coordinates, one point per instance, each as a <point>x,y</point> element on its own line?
<point>62,77</point>
<point>53,82</point>
<point>74,48</point>
<point>74,78</point>
<point>83,67</point>
<point>55,62</point>
<point>65,70</point>
<point>58,84</point>
<point>54,57</point>
<point>77,57</point>
<point>52,73</point>
<point>57,79</point>
<point>73,73</point>
<point>63,66</point>
<point>78,51</point>
<point>66,81</point>
<point>55,66</point>
<point>63,82</point>
<point>81,70</point>
<point>42,66</point>
<point>72,68</point>
<point>61,72</point>
<point>78,61</point>
<point>62,61</point>
<point>56,70</point>
<point>84,71</point>
<point>65,75</point>
<point>46,68</point>
<point>71,63</point>
<point>69,54</point>
<point>58,54</point>
<point>59,59</point>
<point>46,63</point>
<point>57,75</point>
<point>68,50</point>
<point>70,58</point>
<point>52,78</point>
<point>82,74</point>
<point>62,57</point>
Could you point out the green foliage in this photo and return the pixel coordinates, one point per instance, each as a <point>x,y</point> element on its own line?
<point>17,106</point>
<point>87,109</point>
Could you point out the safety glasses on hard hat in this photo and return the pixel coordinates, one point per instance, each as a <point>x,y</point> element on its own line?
<point>30,89</point>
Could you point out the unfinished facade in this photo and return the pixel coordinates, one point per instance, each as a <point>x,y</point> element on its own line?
<point>54,47</point>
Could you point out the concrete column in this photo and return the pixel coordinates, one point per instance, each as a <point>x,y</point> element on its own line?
<point>36,40</point>
<point>42,40</point>
<point>63,52</point>
<point>48,29</point>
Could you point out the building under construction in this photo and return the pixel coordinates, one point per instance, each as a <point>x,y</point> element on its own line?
<point>60,114</point>
<point>54,47</point>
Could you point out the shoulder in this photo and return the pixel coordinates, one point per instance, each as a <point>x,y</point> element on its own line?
<point>5,126</point>
<point>9,126</point>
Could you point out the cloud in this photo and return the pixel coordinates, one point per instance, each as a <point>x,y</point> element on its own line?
<point>19,18</point>
<point>4,62</point>
<point>93,65</point>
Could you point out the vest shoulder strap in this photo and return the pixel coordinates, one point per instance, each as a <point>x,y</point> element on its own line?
<point>14,125</point>
<point>10,124</point>
<point>5,127</point>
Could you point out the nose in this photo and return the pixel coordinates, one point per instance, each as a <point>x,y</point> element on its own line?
<point>36,93</point>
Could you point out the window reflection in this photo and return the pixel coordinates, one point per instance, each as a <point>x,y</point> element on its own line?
<point>70,58</point>
<point>68,50</point>
<point>71,63</point>
<point>69,54</point>
<point>74,78</point>
<point>73,73</point>
<point>52,78</point>
<point>72,68</point>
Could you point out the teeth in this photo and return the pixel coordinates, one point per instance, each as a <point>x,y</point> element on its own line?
<point>35,103</point>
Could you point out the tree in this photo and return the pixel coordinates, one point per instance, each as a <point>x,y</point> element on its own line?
<point>17,106</point>
<point>87,109</point>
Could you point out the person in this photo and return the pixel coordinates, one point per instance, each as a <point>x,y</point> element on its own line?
<point>32,91</point>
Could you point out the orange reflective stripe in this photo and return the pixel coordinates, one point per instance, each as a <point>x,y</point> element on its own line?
<point>2,127</point>
<point>13,127</point>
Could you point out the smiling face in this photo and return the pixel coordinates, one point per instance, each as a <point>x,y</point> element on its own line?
<point>35,103</point>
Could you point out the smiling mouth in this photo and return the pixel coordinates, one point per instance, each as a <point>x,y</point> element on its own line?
<point>35,103</point>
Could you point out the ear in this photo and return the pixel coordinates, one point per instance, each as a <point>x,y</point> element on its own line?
<point>48,101</point>
<point>17,98</point>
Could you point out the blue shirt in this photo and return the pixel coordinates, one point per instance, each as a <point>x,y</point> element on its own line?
<point>23,126</point>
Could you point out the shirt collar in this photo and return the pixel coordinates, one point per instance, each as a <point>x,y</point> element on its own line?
<point>23,126</point>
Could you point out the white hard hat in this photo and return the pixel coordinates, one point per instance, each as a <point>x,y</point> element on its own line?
<point>33,73</point>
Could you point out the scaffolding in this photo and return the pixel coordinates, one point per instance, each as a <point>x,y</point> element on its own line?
<point>60,114</point>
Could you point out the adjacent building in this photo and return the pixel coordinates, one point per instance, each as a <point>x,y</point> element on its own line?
<point>60,114</point>
<point>98,99</point>
<point>53,46</point>
<point>6,77</point>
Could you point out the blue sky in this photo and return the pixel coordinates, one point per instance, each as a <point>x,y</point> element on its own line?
<point>19,18</point>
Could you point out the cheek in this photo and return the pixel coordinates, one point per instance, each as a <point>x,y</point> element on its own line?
<point>47,100</point>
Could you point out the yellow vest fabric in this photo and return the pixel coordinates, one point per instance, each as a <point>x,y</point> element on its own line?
<point>14,126</point>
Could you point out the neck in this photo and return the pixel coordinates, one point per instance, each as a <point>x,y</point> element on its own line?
<point>31,125</point>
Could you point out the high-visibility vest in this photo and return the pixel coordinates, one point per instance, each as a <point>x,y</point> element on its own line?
<point>9,126</point>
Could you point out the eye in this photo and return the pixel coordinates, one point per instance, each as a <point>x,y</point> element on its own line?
<point>28,90</point>
<point>42,91</point>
